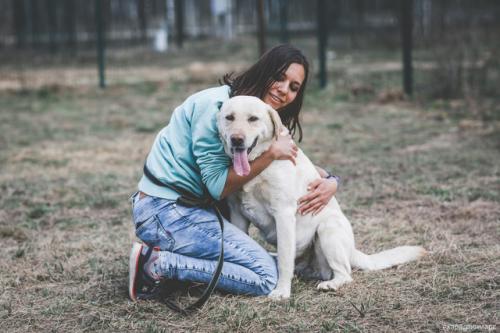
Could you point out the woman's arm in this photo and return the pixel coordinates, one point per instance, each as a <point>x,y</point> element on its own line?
<point>282,149</point>
<point>322,172</point>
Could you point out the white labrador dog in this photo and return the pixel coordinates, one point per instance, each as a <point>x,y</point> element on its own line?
<point>247,127</point>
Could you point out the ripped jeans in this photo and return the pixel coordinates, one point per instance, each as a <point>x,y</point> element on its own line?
<point>189,241</point>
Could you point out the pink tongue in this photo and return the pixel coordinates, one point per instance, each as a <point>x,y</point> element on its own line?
<point>240,163</point>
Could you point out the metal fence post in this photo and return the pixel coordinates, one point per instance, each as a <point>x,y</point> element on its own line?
<point>179,22</point>
<point>322,31</point>
<point>100,42</point>
<point>284,37</point>
<point>261,27</point>
<point>406,24</point>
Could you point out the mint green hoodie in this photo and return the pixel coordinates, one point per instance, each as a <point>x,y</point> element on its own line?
<point>188,151</point>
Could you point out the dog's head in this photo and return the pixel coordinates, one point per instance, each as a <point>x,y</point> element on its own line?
<point>247,126</point>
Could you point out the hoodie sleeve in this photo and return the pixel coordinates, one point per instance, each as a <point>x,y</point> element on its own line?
<point>207,147</point>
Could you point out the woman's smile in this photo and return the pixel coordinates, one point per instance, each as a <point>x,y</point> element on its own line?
<point>279,101</point>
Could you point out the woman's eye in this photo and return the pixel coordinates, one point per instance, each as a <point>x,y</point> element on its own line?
<point>230,117</point>
<point>253,118</point>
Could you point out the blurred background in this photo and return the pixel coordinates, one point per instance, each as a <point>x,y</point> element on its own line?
<point>379,49</point>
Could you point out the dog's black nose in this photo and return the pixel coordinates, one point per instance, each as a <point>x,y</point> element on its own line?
<point>237,141</point>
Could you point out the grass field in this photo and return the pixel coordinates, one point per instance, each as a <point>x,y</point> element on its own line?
<point>412,174</point>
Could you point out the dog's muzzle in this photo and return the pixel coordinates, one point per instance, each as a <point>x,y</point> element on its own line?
<point>237,144</point>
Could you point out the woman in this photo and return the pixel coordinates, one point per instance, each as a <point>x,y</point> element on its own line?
<point>189,154</point>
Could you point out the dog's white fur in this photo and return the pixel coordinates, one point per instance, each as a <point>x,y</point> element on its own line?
<point>269,201</point>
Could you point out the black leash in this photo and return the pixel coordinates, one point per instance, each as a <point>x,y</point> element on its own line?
<point>188,199</point>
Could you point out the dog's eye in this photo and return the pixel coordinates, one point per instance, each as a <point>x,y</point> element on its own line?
<point>230,117</point>
<point>252,119</point>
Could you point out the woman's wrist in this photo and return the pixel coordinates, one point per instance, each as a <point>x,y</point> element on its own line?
<point>269,154</point>
<point>329,175</point>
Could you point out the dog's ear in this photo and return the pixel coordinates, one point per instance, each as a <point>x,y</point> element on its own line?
<point>276,120</point>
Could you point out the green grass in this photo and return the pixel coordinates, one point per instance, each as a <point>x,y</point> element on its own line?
<point>70,159</point>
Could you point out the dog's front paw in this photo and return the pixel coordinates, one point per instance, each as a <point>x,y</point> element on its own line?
<point>279,294</point>
<point>327,285</point>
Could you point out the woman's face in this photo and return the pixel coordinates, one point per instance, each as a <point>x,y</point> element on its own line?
<point>285,89</point>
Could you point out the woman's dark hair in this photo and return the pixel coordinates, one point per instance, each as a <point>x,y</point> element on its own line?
<point>257,80</point>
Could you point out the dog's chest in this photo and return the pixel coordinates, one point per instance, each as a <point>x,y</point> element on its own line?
<point>255,206</point>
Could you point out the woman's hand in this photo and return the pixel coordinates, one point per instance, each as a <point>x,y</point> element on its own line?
<point>320,192</point>
<point>284,148</point>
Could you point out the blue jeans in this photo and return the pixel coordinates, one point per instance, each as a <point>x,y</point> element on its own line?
<point>189,242</point>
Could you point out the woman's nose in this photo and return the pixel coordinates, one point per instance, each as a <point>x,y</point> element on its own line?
<point>283,88</point>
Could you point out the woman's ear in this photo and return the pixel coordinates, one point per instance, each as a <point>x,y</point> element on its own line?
<point>276,120</point>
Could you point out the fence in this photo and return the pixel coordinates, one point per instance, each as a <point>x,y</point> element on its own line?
<point>460,36</point>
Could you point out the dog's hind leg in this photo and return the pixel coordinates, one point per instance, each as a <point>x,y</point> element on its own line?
<point>336,247</point>
<point>320,264</point>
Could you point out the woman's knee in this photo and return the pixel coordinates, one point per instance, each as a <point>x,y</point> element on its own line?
<point>268,275</point>
<point>268,285</point>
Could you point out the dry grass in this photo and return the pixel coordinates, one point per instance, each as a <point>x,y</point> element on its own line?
<point>69,158</point>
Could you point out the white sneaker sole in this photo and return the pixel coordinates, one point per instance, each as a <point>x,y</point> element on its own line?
<point>133,269</point>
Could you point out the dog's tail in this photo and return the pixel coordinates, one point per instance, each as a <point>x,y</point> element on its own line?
<point>387,258</point>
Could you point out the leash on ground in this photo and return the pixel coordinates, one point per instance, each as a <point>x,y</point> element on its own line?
<point>188,199</point>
